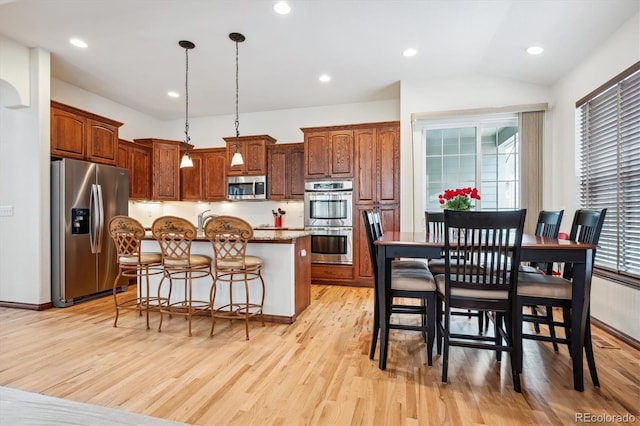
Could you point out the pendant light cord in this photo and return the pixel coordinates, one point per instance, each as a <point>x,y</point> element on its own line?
<point>237,115</point>
<point>186,98</point>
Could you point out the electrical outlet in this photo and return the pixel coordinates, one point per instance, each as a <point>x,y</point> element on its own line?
<point>6,211</point>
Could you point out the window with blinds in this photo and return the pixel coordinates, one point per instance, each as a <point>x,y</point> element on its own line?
<point>609,171</point>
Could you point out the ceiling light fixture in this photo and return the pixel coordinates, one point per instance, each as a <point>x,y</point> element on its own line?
<point>173,94</point>
<point>535,50</point>
<point>237,159</point>
<point>410,52</point>
<point>186,158</point>
<point>78,43</point>
<point>324,78</point>
<point>282,8</point>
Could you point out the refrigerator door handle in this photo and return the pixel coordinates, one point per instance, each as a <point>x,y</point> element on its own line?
<point>101,220</point>
<point>95,218</point>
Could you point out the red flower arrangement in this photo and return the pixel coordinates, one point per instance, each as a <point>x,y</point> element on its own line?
<point>458,199</point>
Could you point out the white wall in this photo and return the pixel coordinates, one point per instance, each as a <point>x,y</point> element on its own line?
<point>24,185</point>
<point>447,94</point>
<point>614,304</point>
<point>135,124</point>
<point>283,125</point>
<point>14,66</point>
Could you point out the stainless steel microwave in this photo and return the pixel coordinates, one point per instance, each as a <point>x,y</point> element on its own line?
<point>247,187</point>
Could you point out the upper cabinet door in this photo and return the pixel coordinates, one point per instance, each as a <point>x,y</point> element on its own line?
<point>68,134</point>
<point>388,164</point>
<point>255,158</point>
<point>139,173</point>
<point>341,143</point>
<point>285,174</point>
<point>277,174</point>
<point>366,172</point>
<point>166,171</point>
<point>316,155</point>
<point>102,138</point>
<point>214,174</point>
<point>296,162</point>
<point>191,179</point>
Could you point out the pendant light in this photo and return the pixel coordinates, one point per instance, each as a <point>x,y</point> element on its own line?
<point>237,159</point>
<point>186,158</point>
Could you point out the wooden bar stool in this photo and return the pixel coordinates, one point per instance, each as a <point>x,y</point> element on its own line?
<point>127,234</point>
<point>174,235</point>
<point>229,237</point>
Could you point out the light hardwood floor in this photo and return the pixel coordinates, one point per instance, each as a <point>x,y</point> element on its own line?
<point>315,371</point>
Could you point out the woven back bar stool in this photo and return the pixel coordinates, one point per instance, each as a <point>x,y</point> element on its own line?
<point>174,235</point>
<point>127,234</point>
<point>229,237</point>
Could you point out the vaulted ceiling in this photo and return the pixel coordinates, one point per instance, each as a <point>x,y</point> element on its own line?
<point>134,58</point>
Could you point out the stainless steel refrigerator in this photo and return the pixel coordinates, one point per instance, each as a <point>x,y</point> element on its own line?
<point>84,197</point>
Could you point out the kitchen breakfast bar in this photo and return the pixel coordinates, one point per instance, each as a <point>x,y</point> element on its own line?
<point>286,272</point>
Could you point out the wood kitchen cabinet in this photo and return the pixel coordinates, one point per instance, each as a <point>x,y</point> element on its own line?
<point>82,135</point>
<point>207,179</point>
<point>254,153</point>
<point>137,159</point>
<point>377,163</point>
<point>376,186</point>
<point>165,167</point>
<point>285,171</point>
<point>329,152</point>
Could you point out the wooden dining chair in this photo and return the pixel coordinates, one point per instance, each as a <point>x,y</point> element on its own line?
<point>409,279</point>
<point>553,291</point>
<point>493,239</point>
<point>548,225</point>
<point>435,226</point>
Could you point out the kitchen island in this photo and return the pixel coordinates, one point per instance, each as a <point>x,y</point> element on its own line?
<point>286,272</point>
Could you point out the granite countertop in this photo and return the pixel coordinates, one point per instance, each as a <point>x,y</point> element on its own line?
<point>258,235</point>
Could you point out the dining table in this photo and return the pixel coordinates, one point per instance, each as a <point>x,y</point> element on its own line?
<point>393,245</point>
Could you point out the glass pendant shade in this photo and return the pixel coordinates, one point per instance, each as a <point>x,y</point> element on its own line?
<point>186,161</point>
<point>237,159</point>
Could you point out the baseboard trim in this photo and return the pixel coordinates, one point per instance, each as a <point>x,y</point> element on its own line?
<point>616,333</point>
<point>29,306</point>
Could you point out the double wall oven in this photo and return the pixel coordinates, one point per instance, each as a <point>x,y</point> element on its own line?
<point>328,209</point>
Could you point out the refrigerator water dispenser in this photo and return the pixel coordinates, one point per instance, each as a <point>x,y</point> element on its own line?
<point>80,221</point>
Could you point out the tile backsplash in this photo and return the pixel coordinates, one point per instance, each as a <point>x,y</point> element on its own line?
<point>257,213</point>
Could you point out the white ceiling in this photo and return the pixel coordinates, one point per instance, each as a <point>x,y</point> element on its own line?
<point>134,58</point>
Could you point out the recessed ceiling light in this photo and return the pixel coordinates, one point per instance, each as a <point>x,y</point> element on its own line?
<point>173,94</point>
<point>324,78</point>
<point>410,52</point>
<point>78,43</point>
<point>282,8</point>
<point>534,50</point>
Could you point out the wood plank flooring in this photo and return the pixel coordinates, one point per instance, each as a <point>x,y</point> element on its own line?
<point>315,371</point>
